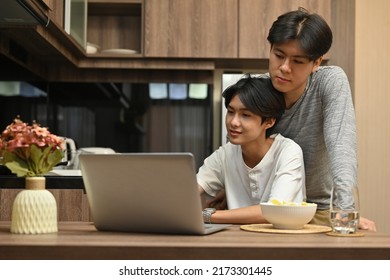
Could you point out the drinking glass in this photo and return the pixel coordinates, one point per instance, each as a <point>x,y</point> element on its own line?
<point>344,209</point>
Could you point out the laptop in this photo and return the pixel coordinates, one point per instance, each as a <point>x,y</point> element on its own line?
<point>144,192</point>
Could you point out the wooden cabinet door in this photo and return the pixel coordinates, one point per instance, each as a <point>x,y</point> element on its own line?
<point>257,16</point>
<point>191,28</point>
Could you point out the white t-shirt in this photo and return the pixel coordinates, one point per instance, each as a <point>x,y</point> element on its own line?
<point>280,174</point>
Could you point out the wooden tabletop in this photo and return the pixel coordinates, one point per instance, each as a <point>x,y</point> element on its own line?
<point>80,240</point>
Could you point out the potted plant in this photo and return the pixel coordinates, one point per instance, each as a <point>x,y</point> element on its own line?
<point>31,151</point>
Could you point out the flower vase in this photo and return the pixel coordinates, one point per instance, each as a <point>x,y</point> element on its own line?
<point>34,210</point>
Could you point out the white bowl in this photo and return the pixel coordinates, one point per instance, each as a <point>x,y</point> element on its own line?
<point>92,48</point>
<point>287,216</point>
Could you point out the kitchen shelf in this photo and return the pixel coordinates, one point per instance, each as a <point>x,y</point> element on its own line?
<point>115,25</point>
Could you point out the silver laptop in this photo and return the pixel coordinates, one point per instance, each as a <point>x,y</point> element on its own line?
<point>144,192</point>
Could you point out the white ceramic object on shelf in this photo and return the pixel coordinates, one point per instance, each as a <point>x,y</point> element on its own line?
<point>119,51</point>
<point>92,48</point>
<point>34,210</point>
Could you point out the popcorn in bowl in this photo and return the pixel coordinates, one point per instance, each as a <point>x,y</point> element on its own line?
<point>288,215</point>
<point>291,203</point>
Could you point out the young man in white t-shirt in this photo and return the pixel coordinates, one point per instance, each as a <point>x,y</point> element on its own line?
<point>253,167</point>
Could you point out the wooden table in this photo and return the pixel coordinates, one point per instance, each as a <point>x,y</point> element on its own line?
<point>80,240</point>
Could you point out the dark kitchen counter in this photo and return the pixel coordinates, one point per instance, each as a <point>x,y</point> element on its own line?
<point>58,179</point>
<point>52,182</point>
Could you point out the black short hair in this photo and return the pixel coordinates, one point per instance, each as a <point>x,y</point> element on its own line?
<point>311,30</point>
<point>258,95</point>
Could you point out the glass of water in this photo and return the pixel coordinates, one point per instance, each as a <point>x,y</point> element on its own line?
<point>344,209</point>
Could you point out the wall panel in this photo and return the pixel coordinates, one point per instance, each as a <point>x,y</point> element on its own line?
<point>372,102</point>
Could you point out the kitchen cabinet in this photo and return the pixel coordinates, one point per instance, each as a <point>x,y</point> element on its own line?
<point>173,35</point>
<point>256,17</point>
<point>115,27</point>
<point>227,29</point>
<point>56,12</point>
<point>75,22</point>
<point>191,28</point>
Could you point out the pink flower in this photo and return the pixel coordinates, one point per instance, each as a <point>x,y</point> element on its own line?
<point>18,138</point>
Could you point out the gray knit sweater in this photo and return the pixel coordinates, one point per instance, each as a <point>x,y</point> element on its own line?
<point>322,122</point>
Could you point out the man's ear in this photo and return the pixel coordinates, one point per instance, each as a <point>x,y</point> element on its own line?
<point>317,63</point>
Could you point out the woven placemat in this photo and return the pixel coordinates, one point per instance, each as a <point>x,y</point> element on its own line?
<point>269,228</point>
<point>356,234</point>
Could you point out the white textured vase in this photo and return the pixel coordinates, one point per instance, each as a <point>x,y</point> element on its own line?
<point>34,210</point>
